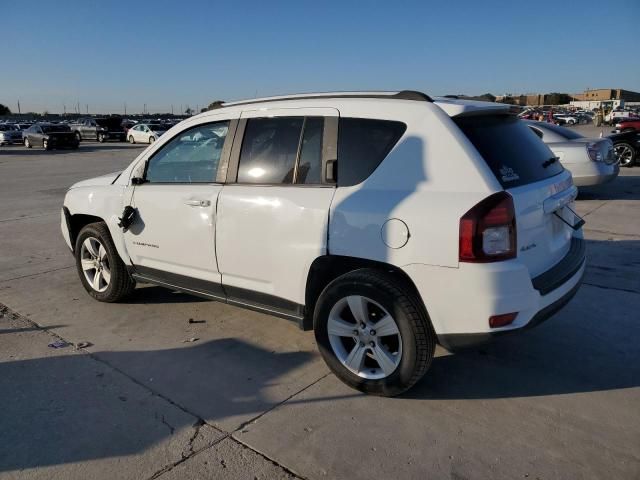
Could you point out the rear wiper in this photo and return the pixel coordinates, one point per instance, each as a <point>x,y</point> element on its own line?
<point>551,161</point>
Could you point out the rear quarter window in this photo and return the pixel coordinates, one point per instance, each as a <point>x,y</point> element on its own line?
<point>362,145</point>
<point>514,153</point>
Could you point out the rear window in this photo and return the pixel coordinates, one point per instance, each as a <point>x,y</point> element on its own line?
<point>563,132</point>
<point>362,145</point>
<point>515,154</point>
<point>55,128</point>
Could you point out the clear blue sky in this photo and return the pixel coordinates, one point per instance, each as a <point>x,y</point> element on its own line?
<point>160,52</point>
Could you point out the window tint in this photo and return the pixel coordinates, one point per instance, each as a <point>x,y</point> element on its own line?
<point>190,157</point>
<point>310,164</point>
<point>563,132</point>
<point>362,145</point>
<point>514,153</point>
<point>269,150</point>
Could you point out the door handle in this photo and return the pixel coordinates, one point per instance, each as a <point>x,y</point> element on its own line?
<point>198,203</point>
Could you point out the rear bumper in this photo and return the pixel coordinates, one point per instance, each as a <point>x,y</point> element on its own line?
<point>461,300</point>
<point>592,173</point>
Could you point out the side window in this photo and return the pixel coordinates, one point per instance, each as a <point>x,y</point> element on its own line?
<point>362,145</point>
<point>191,156</point>
<point>310,164</point>
<point>269,150</point>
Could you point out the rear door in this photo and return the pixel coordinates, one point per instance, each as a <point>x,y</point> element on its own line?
<point>273,212</point>
<point>539,185</point>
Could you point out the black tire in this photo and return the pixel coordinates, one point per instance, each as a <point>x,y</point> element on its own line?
<point>27,143</point>
<point>131,140</point>
<point>78,136</point>
<point>151,140</point>
<point>101,138</point>
<point>46,145</point>
<point>121,284</point>
<point>630,162</point>
<point>418,336</point>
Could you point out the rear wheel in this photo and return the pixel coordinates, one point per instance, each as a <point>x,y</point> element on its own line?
<point>102,273</point>
<point>625,154</point>
<point>131,140</point>
<point>373,332</point>
<point>101,138</point>
<point>27,143</point>
<point>45,144</point>
<point>78,137</point>
<point>151,140</point>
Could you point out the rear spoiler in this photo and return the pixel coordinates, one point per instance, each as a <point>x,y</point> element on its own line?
<point>465,108</point>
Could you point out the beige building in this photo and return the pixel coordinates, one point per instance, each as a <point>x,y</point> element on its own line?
<point>600,94</point>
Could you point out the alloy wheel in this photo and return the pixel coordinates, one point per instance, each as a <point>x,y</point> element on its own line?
<point>624,153</point>
<point>95,264</point>
<point>364,337</point>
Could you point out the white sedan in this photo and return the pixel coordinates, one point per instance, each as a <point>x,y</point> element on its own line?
<point>145,132</point>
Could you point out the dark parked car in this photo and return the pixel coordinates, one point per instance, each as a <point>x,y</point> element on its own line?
<point>10,134</point>
<point>101,129</point>
<point>626,146</point>
<point>49,135</point>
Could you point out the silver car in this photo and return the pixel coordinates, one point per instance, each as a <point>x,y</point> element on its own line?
<point>591,161</point>
<point>10,134</point>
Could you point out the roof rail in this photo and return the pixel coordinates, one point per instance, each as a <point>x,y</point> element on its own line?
<point>402,95</point>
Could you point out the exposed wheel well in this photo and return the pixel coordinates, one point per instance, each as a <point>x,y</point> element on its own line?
<point>77,222</point>
<point>327,268</point>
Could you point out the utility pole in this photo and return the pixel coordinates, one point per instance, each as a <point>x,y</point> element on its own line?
<point>125,109</point>
<point>87,105</point>
<point>171,109</point>
<point>64,107</point>
<point>19,107</point>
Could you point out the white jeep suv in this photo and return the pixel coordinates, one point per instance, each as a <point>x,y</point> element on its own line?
<point>385,222</point>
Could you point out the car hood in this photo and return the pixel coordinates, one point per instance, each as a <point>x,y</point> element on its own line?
<point>98,181</point>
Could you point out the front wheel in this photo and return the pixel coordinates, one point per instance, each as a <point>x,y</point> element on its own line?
<point>102,273</point>
<point>45,144</point>
<point>78,137</point>
<point>27,143</point>
<point>101,138</point>
<point>131,140</point>
<point>151,140</point>
<point>625,154</point>
<point>373,332</point>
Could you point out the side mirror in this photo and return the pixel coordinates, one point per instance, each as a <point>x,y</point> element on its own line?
<point>137,181</point>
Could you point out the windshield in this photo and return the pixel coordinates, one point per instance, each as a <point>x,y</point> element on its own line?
<point>515,154</point>
<point>5,128</point>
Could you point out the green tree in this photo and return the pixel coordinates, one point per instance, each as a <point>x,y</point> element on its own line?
<point>4,110</point>
<point>215,104</point>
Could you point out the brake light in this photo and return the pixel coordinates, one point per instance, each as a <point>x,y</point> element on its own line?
<point>498,321</point>
<point>488,230</point>
<point>594,152</point>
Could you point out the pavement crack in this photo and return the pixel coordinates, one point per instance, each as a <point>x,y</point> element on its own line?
<point>164,421</point>
<point>269,459</point>
<point>631,235</point>
<point>252,420</point>
<point>39,273</point>
<point>604,287</point>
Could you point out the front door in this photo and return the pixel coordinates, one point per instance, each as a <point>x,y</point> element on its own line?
<point>173,236</point>
<point>273,212</point>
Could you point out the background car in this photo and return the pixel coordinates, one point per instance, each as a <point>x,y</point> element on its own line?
<point>145,132</point>
<point>626,146</point>
<point>628,125</point>
<point>10,134</point>
<point>49,135</point>
<point>591,161</point>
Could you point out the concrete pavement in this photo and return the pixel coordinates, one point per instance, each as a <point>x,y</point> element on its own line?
<point>251,397</point>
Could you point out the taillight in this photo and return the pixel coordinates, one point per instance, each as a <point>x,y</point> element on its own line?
<point>594,152</point>
<point>488,230</point>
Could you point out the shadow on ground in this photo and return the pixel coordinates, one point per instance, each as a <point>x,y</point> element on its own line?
<point>625,187</point>
<point>70,408</point>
